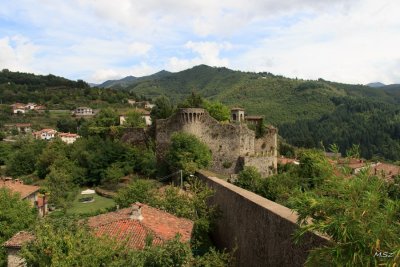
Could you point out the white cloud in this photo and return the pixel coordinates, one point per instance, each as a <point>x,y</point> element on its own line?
<point>353,41</point>
<point>138,70</point>
<point>17,53</point>
<point>207,53</point>
<point>358,48</point>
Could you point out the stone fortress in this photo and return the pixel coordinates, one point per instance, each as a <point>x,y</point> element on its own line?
<point>233,145</point>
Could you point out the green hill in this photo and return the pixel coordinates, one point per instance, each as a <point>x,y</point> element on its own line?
<point>307,112</point>
<point>278,98</point>
<point>55,92</point>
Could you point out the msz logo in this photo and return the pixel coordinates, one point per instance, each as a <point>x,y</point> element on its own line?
<point>385,254</point>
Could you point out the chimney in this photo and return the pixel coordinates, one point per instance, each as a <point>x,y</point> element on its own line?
<point>136,212</point>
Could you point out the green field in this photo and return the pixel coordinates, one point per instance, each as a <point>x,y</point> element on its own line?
<point>99,203</point>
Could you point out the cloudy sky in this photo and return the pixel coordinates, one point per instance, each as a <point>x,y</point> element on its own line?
<point>353,41</point>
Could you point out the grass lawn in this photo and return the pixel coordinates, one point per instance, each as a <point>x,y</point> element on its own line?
<point>98,204</point>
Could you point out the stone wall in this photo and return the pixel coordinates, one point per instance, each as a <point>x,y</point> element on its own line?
<point>259,229</point>
<point>135,136</point>
<point>13,259</point>
<point>265,165</point>
<point>227,142</point>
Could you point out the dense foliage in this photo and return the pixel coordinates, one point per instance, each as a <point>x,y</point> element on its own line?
<point>55,92</point>
<point>15,215</point>
<point>306,112</point>
<point>67,243</point>
<point>359,214</point>
<point>187,153</point>
<point>375,126</point>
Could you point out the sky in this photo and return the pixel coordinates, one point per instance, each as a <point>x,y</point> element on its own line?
<point>351,41</point>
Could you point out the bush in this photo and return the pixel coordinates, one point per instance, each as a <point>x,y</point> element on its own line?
<point>249,178</point>
<point>187,153</point>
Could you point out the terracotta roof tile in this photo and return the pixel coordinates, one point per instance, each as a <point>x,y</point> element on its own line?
<point>19,239</point>
<point>162,225</point>
<point>19,187</point>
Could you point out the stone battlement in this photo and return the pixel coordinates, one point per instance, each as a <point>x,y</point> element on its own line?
<point>228,142</point>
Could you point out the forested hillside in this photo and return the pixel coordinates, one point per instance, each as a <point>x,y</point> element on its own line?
<point>306,112</point>
<point>55,92</point>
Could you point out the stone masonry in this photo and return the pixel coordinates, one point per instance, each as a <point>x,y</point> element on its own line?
<point>233,145</point>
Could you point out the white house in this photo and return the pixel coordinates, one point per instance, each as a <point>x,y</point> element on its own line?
<point>68,138</point>
<point>83,111</point>
<point>45,134</point>
<point>18,108</point>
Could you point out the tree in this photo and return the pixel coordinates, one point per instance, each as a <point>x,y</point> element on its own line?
<point>23,160</point>
<point>163,109</point>
<point>357,215</point>
<point>193,101</point>
<point>314,168</point>
<point>15,215</point>
<point>134,119</point>
<point>106,117</point>
<point>249,179</point>
<point>112,175</point>
<point>353,151</point>
<point>67,125</point>
<point>65,243</point>
<point>53,151</point>
<point>60,183</point>
<point>217,110</point>
<point>187,153</point>
<point>138,191</point>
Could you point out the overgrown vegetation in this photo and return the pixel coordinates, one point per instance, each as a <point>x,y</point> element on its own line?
<point>15,215</point>
<point>65,243</point>
<point>359,214</point>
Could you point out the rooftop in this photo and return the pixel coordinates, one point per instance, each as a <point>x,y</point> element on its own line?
<point>157,223</point>
<point>18,187</point>
<point>19,239</point>
<point>68,135</point>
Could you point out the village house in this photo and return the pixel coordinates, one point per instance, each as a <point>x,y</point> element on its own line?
<point>26,192</point>
<point>18,108</point>
<point>68,138</point>
<point>13,247</point>
<point>30,106</point>
<point>133,225</point>
<point>83,111</point>
<point>45,134</point>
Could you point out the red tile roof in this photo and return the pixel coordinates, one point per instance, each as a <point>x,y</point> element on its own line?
<point>68,135</point>
<point>387,171</point>
<point>23,125</point>
<point>19,187</point>
<point>133,232</point>
<point>160,224</point>
<point>19,239</point>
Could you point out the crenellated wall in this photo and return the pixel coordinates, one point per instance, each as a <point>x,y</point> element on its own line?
<point>227,142</point>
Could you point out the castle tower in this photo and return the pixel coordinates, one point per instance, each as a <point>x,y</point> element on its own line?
<point>237,115</point>
<point>191,115</point>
